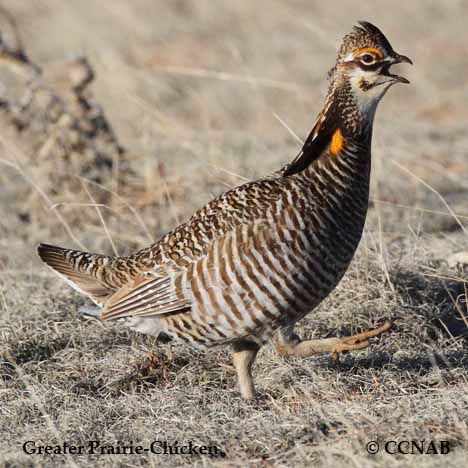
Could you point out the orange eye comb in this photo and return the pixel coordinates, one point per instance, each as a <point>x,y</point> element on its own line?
<point>368,49</point>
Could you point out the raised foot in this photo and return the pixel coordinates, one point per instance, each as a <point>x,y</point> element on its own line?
<point>333,345</point>
<point>358,341</point>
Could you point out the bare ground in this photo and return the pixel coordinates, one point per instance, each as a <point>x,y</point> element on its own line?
<point>200,94</point>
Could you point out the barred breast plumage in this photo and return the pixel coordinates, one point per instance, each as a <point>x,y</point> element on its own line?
<point>260,257</point>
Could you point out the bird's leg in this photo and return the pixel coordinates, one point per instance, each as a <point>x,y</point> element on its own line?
<point>289,344</point>
<point>243,356</point>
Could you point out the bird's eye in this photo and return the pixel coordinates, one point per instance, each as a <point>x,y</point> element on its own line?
<point>368,59</point>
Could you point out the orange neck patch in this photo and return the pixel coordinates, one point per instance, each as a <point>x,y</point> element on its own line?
<point>368,49</point>
<point>336,144</point>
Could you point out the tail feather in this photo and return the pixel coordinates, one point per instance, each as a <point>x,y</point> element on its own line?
<point>84,271</point>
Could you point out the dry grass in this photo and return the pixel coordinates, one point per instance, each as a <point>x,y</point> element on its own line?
<point>196,93</point>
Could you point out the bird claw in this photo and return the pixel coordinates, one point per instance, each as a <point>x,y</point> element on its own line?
<point>357,341</point>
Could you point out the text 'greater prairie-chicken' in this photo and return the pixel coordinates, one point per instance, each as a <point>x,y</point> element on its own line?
<point>258,258</point>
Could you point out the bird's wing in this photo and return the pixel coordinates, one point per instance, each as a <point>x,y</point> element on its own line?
<point>248,203</point>
<point>148,294</point>
<point>220,272</point>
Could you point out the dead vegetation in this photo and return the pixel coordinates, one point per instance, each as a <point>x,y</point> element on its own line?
<point>116,123</point>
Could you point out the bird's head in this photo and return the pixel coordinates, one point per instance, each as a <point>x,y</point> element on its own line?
<point>359,79</point>
<point>363,66</point>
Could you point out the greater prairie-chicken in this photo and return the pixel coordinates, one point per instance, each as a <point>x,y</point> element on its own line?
<point>258,258</point>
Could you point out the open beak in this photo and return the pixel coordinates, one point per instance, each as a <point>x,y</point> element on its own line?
<point>397,58</point>
<point>402,59</point>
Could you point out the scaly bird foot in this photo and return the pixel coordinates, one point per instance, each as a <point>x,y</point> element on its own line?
<point>331,345</point>
<point>357,341</point>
